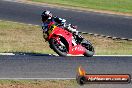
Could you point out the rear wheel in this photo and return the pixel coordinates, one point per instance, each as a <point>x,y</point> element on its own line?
<point>89,48</point>
<point>59,48</point>
<point>89,51</point>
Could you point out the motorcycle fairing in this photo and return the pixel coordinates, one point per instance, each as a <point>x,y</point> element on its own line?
<point>75,50</point>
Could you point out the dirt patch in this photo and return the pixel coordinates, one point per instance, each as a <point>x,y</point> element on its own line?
<point>22,38</point>
<point>38,84</point>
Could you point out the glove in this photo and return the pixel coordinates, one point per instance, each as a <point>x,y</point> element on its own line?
<point>63,21</point>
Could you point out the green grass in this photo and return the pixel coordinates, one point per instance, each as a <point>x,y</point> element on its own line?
<point>112,5</point>
<point>16,37</point>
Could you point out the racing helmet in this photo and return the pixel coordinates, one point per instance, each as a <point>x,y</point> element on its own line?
<point>46,15</point>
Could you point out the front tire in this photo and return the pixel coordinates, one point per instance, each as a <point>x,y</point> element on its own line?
<point>59,49</point>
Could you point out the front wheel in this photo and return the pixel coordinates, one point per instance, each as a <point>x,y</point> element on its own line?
<point>59,48</point>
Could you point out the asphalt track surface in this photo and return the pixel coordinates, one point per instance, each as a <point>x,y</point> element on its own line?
<point>91,22</point>
<point>31,66</point>
<point>54,67</point>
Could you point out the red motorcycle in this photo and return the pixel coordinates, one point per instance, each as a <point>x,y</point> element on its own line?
<point>63,43</point>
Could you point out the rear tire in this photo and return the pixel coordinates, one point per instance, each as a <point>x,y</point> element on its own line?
<point>89,51</point>
<point>55,47</point>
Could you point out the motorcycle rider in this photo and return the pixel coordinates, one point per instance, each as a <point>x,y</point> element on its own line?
<point>47,17</point>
